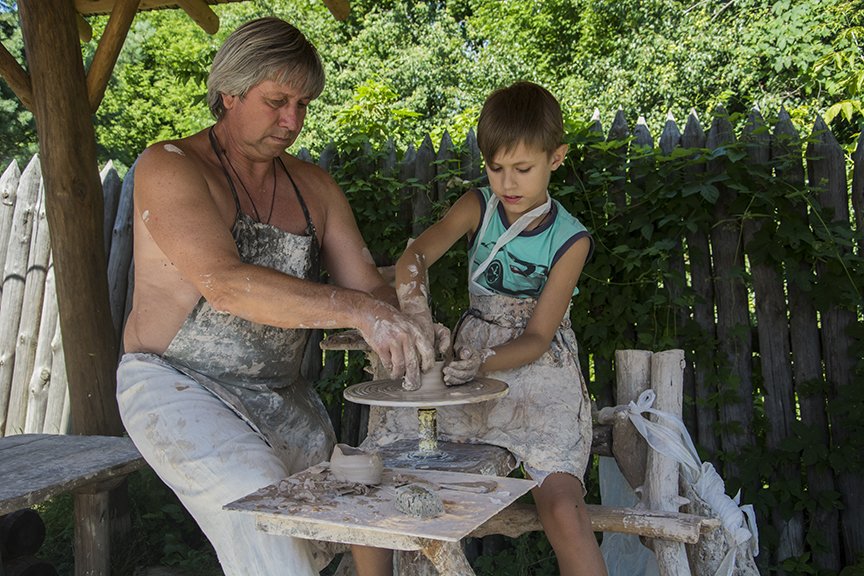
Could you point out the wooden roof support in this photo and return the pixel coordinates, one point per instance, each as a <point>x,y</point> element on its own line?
<point>201,13</point>
<point>67,146</point>
<point>109,49</point>
<point>338,8</point>
<point>16,77</point>
<point>85,31</point>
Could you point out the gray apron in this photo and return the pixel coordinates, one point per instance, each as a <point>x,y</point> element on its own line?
<point>255,368</point>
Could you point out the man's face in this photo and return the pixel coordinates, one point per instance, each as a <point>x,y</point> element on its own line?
<point>271,115</point>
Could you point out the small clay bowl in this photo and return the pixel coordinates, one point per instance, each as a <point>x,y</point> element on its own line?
<point>348,464</point>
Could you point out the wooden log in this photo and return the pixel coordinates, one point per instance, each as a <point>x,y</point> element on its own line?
<point>85,31</point>
<point>16,77</point>
<point>521,518</point>
<point>120,257</point>
<point>857,191</point>
<point>446,166</point>
<point>734,341</point>
<point>111,185</point>
<point>92,540</point>
<point>14,277</point>
<point>661,476</point>
<point>108,49</point>
<point>827,174</point>
<point>8,189</point>
<point>633,376</point>
<point>28,327</point>
<point>807,361</point>
<point>201,13</point>
<point>407,171</point>
<point>773,330</point>
<point>67,145</point>
<point>338,8</point>
<point>471,161</point>
<point>641,154</point>
<point>42,378</point>
<point>699,256</point>
<point>57,407</point>
<point>618,131</point>
<point>424,172</point>
<point>675,281</point>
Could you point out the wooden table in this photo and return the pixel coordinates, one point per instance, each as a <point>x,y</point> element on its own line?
<point>308,505</point>
<point>36,467</point>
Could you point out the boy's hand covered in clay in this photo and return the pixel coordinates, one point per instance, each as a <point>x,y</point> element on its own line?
<point>466,367</point>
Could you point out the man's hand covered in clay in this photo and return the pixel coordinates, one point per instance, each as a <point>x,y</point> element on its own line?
<point>399,342</point>
<point>415,306</point>
<point>466,367</point>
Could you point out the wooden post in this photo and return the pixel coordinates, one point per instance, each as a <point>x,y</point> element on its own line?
<point>67,147</point>
<point>633,376</point>
<point>661,478</point>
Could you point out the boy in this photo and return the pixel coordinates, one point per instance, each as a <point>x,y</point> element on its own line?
<point>526,254</point>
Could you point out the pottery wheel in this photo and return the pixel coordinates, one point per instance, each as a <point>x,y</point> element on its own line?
<point>391,393</point>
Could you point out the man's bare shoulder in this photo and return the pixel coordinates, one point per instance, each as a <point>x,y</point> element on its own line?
<point>185,153</point>
<point>311,177</point>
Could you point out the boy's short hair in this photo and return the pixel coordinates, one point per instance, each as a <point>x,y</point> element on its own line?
<point>263,49</point>
<point>522,112</point>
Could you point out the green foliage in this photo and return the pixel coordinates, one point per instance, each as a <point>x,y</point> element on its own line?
<point>162,533</point>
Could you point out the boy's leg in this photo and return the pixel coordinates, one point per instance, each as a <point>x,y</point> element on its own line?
<point>370,561</point>
<point>565,520</point>
<point>209,457</point>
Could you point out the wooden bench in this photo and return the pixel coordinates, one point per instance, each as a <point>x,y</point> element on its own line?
<point>36,467</point>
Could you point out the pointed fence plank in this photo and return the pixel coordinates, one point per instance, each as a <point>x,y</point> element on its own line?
<point>827,175</point>
<point>773,329</point>
<point>8,190</point>
<point>31,313</point>
<point>42,377</point>
<point>786,155</point>
<point>734,342</point>
<point>699,256</point>
<point>14,278</point>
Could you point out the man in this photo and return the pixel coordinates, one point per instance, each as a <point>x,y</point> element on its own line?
<point>228,233</point>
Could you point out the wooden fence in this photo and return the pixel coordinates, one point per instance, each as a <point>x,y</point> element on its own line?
<point>772,338</point>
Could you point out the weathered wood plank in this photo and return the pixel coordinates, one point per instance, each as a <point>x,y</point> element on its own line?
<point>804,337</point>
<point>734,340</point>
<point>42,377</point>
<point>518,519</point>
<point>14,279</point>
<point>31,313</point>
<point>773,329</point>
<point>827,175</point>
<point>8,191</point>
<point>65,463</point>
<point>699,256</point>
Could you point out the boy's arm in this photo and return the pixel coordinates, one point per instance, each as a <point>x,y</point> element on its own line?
<point>411,269</point>
<point>547,315</point>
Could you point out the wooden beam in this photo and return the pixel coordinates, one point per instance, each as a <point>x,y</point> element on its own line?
<point>519,518</point>
<point>109,49</point>
<point>67,145</point>
<point>201,13</point>
<point>16,77</point>
<point>85,31</point>
<point>338,8</point>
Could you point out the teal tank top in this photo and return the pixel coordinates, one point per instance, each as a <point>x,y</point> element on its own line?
<point>521,267</point>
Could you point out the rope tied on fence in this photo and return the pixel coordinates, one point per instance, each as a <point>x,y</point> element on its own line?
<point>669,436</point>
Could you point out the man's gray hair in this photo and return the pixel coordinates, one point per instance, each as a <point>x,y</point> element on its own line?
<point>263,49</point>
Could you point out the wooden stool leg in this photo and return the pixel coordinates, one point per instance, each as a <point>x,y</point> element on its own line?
<point>448,558</point>
<point>92,535</point>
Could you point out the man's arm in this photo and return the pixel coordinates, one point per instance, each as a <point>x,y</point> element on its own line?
<point>189,226</point>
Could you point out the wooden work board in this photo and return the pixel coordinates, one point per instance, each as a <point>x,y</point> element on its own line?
<point>310,504</point>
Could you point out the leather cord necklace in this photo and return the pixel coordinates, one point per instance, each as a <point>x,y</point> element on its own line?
<point>222,155</point>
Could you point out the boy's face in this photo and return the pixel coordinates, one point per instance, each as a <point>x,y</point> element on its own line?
<point>519,177</point>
